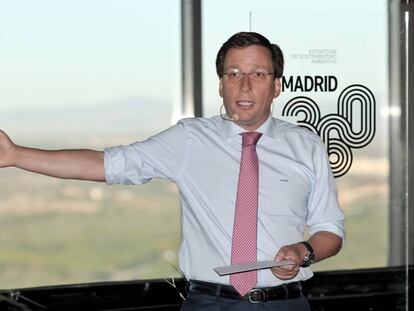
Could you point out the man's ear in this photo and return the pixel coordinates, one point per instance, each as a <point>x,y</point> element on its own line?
<point>221,88</point>
<point>277,88</point>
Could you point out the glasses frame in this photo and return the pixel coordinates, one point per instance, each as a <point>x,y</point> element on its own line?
<point>235,75</point>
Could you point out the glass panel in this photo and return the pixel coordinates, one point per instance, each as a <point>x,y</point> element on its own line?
<point>86,74</point>
<point>335,60</point>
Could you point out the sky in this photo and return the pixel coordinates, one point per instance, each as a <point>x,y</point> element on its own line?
<point>94,52</point>
<point>89,52</point>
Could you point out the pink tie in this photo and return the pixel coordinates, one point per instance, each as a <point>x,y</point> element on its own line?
<point>244,244</point>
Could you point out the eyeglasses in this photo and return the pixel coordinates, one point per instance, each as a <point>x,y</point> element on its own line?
<point>236,75</point>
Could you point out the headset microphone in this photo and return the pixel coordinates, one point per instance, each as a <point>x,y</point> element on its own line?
<point>235,117</point>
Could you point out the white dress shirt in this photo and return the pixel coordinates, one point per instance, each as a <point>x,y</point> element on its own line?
<point>202,156</point>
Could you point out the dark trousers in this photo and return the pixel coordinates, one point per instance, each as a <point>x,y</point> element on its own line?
<point>203,302</point>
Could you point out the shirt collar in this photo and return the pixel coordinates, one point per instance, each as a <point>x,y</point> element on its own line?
<point>268,128</point>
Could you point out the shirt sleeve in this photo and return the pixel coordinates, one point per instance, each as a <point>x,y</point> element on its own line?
<point>163,156</point>
<point>324,213</point>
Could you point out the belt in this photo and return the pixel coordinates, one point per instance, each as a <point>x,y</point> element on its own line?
<point>285,291</point>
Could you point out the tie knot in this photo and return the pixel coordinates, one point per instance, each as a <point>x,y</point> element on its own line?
<point>250,138</point>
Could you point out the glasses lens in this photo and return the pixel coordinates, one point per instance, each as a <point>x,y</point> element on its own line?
<point>258,75</point>
<point>236,75</point>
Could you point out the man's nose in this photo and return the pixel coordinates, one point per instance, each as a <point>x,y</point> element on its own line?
<point>246,82</point>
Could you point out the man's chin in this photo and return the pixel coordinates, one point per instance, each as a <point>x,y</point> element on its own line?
<point>248,124</point>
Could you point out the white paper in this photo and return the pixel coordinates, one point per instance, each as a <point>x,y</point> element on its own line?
<point>224,270</point>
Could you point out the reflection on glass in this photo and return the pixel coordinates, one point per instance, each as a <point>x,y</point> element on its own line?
<point>74,76</point>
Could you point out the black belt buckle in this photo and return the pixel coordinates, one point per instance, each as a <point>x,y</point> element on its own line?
<point>257,295</point>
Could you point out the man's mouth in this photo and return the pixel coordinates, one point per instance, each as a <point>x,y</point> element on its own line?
<point>244,103</point>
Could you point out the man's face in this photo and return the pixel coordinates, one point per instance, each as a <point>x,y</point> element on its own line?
<point>249,98</point>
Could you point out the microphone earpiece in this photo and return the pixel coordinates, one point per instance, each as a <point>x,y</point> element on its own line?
<point>235,117</point>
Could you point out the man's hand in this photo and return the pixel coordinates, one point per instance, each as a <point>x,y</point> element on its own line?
<point>289,252</point>
<point>6,150</point>
<point>325,244</point>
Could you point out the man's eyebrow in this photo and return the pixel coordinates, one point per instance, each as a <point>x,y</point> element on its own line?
<point>254,68</point>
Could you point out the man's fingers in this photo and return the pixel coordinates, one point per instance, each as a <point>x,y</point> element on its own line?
<point>287,267</point>
<point>281,254</point>
<point>285,274</point>
<point>286,254</point>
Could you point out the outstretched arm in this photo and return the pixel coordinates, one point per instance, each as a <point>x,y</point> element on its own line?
<point>79,164</point>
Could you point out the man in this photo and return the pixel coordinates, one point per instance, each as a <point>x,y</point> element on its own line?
<point>243,170</point>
